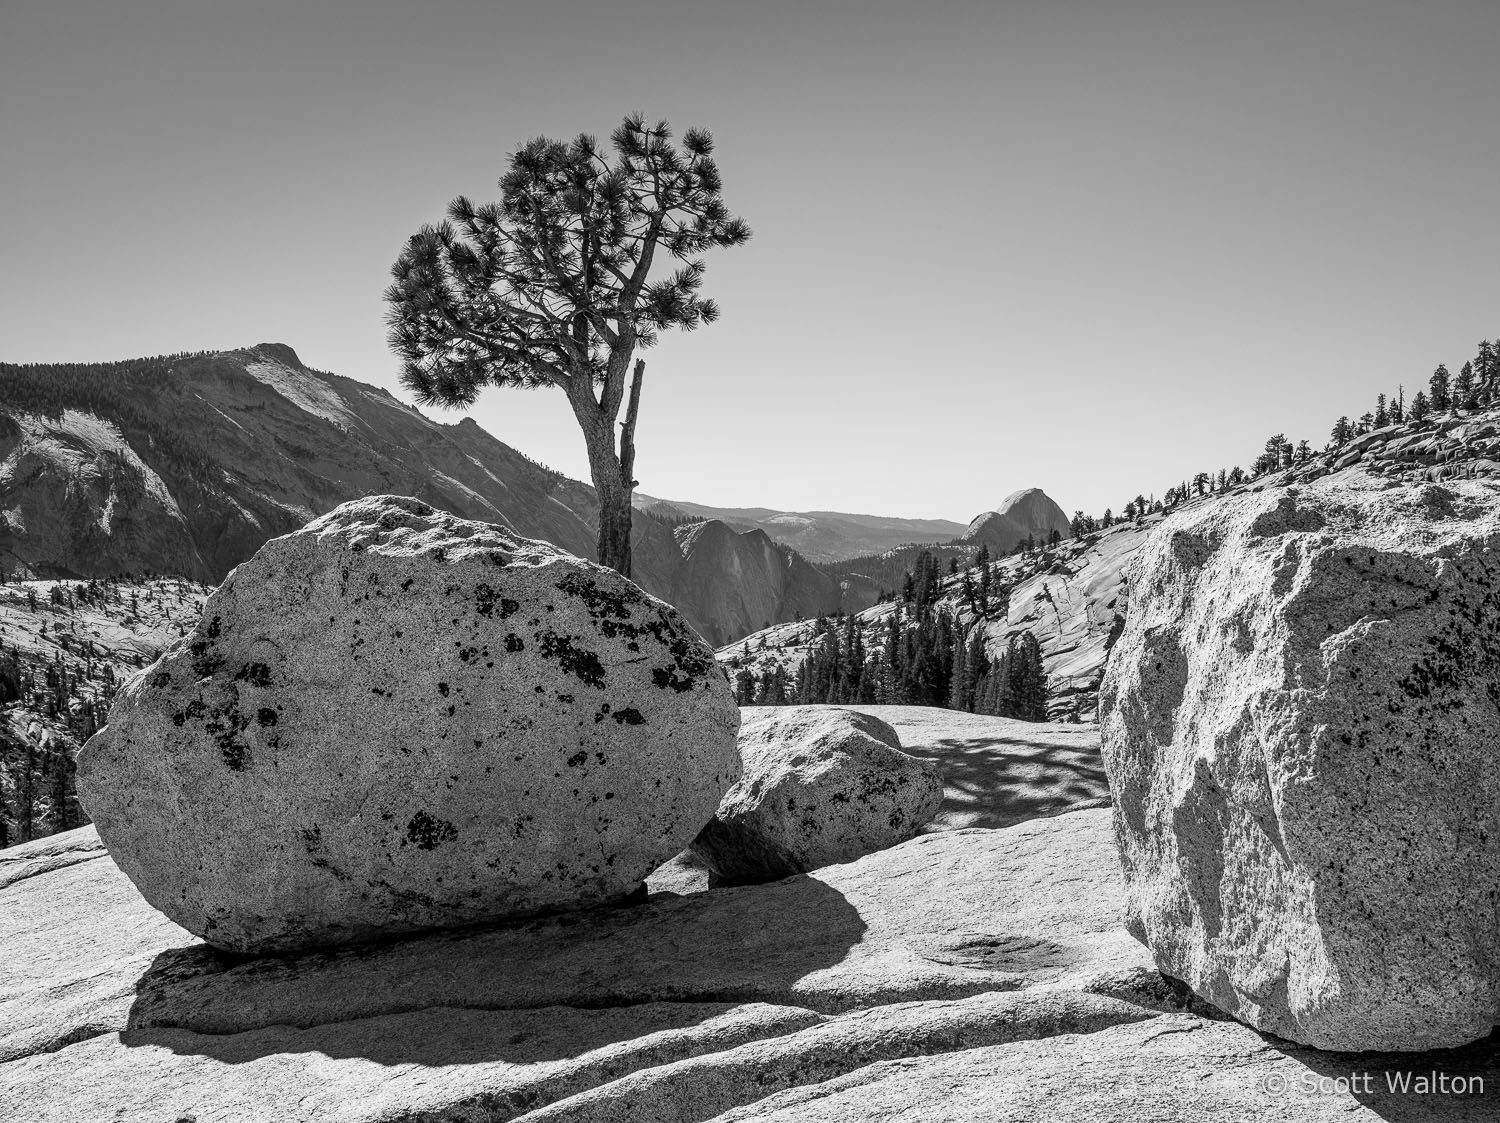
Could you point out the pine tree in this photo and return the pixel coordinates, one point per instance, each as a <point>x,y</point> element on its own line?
<point>1418,411</point>
<point>1342,432</point>
<point>1463,387</point>
<point>1440,398</point>
<point>549,287</point>
<point>1398,406</point>
<point>958,678</point>
<point>1381,417</point>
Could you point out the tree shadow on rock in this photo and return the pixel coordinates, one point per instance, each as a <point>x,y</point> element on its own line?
<point>522,992</point>
<point>1000,781</point>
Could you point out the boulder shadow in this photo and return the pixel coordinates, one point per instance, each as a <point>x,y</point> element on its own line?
<point>1389,1084</point>
<point>523,992</point>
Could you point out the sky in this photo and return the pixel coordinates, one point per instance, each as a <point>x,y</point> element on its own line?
<point>1092,246</point>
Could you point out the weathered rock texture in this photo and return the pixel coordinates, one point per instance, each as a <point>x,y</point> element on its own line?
<point>1174,1067</point>
<point>821,785</point>
<point>1299,730</point>
<point>395,720</point>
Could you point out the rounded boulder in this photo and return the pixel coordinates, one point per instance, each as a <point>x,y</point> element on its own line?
<point>821,785</point>
<point>396,720</point>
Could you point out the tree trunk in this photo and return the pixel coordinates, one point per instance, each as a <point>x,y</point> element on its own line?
<point>613,491</point>
<point>612,471</point>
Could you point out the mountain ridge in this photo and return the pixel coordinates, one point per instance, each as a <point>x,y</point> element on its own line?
<point>186,464</point>
<point>819,536</point>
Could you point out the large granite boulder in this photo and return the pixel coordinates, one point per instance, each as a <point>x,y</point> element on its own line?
<point>1299,726</point>
<point>394,720</point>
<point>821,785</point>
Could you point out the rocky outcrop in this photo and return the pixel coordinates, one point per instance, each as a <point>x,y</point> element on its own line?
<point>395,720</point>
<point>188,464</point>
<point>1029,513</point>
<point>1299,732</point>
<point>821,785</point>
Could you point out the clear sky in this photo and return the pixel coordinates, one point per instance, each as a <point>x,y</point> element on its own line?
<point>1086,245</point>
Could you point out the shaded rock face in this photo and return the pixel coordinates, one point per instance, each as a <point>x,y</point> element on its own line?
<point>1027,512</point>
<point>1299,730</point>
<point>395,720</point>
<point>739,582</point>
<point>821,785</point>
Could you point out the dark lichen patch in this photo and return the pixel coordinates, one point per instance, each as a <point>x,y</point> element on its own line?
<point>577,661</point>
<point>628,716</point>
<point>443,689</point>
<point>514,643</point>
<point>487,602</point>
<point>426,832</point>
<point>601,602</point>
<point>213,631</point>
<point>667,677</point>
<point>577,759</point>
<point>192,711</point>
<point>234,752</point>
<point>255,674</point>
<point>266,716</point>
<point>205,660</point>
<point>161,679</point>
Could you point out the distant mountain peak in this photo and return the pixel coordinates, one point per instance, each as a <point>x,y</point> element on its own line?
<point>279,352</point>
<point>1030,512</point>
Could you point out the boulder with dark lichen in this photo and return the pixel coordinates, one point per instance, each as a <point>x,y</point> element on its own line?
<point>395,720</point>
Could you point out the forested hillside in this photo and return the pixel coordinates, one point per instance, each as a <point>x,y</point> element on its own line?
<point>65,649</point>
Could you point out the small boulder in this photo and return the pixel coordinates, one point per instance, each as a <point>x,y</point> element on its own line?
<point>1299,731</point>
<point>821,786</point>
<point>395,720</point>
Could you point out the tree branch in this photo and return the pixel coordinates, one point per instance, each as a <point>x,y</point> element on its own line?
<point>627,427</point>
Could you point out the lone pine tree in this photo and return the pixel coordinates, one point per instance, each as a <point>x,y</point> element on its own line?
<point>550,287</point>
